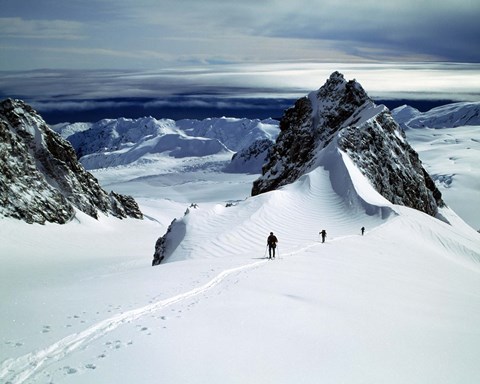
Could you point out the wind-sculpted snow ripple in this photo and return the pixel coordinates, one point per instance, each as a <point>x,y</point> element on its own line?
<point>295,213</point>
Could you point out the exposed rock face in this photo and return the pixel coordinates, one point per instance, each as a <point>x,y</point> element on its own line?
<point>41,179</point>
<point>167,243</point>
<point>306,128</point>
<point>342,111</point>
<point>382,153</point>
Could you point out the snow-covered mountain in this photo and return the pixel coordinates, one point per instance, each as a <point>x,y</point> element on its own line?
<point>250,159</point>
<point>113,142</point>
<point>446,116</point>
<point>340,114</point>
<point>447,139</point>
<point>235,134</point>
<point>339,129</point>
<point>41,179</point>
<point>81,303</point>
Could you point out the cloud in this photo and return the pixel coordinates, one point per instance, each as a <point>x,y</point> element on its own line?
<point>18,28</point>
<point>277,80</point>
<point>147,34</point>
<point>253,90</point>
<point>444,30</point>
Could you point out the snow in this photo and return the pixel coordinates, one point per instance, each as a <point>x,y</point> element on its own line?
<point>113,142</point>
<point>67,129</point>
<point>446,116</point>
<point>447,139</point>
<point>401,304</point>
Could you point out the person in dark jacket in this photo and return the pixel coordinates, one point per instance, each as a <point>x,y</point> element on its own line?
<point>272,244</point>
<point>324,235</point>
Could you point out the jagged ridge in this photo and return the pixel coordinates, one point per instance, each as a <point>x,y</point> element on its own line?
<point>367,133</point>
<point>41,177</point>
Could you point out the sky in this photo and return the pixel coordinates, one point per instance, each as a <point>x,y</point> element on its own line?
<point>196,52</point>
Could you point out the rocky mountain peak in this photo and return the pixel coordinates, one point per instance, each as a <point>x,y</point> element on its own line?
<point>41,179</point>
<point>341,113</point>
<point>307,127</point>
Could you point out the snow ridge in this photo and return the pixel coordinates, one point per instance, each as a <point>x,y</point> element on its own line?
<point>446,116</point>
<point>250,159</point>
<point>332,195</point>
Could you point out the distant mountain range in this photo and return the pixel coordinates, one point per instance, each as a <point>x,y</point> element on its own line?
<point>447,116</point>
<point>124,141</point>
<point>119,142</point>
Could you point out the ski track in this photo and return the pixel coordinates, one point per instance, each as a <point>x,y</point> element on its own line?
<point>16,371</point>
<point>301,216</point>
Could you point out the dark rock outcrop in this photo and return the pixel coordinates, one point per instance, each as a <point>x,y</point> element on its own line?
<point>341,111</point>
<point>41,179</point>
<point>381,152</point>
<point>167,243</point>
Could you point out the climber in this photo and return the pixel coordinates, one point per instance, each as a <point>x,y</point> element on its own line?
<point>324,235</point>
<point>272,244</point>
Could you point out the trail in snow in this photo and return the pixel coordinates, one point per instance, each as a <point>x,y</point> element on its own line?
<point>16,371</point>
<point>295,213</point>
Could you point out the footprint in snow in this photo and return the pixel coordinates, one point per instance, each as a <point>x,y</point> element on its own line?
<point>14,343</point>
<point>69,370</point>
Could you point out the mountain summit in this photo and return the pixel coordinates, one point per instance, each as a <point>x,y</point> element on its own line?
<point>41,179</point>
<point>341,114</point>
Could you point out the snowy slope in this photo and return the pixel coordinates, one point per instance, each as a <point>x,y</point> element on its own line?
<point>67,129</point>
<point>447,139</point>
<point>446,116</point>
<point>80,302</point>
<point>235,134</point>
<point>450,156</point>
<point>113,142</point>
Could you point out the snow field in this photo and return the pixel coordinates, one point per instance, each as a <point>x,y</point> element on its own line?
<point>81,303</point>
<point>26,366</point>
<point>449,156</point>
